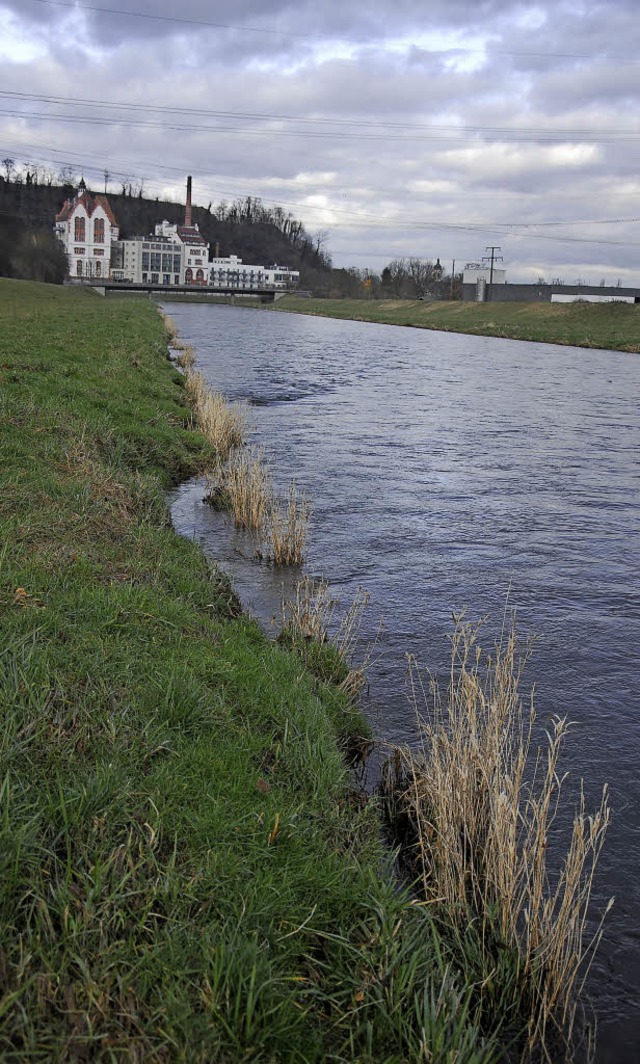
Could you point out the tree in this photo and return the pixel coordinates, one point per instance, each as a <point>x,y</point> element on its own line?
<point>422,276</point>
<point>395,276</point>
<point>39,256</point>
<point>9,167</point>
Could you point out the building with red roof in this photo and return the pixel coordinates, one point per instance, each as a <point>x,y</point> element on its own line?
<point>86,227</point>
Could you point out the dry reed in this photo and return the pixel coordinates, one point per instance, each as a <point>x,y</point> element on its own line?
<point>187,357</point>
<point>285,528</point>
<point>242,485</point>
<point>223,424</point>
<point>171,328</point>
<point>479,802</point>
<point>310,617</point>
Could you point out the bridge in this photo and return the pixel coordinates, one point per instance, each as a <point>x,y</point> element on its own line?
<point>108,287</point>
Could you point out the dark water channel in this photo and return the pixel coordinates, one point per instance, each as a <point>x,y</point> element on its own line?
<point>450,471</point>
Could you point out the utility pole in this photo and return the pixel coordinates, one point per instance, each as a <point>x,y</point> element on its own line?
<point>493,258</point>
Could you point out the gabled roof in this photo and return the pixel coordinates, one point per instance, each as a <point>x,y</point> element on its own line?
<point>102,201</point>
<point>63,215</point>
<point>189,234</point>
<point>89,203</point>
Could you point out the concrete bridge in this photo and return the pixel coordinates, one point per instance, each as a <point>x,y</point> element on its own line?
<point>195,292</point>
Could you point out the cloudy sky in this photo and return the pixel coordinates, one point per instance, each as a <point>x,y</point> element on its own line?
<point>433,128</point>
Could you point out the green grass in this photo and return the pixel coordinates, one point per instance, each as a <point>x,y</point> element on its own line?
<point>612,326</point>
<point>184,873</point>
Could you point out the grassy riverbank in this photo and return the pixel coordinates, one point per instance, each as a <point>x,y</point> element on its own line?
<point>614,326</point>
<point>184,872</point>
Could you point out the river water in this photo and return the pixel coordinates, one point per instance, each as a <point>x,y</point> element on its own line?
<point>450,472</point>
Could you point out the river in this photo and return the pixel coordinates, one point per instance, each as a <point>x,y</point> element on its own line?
<point>449,472</point>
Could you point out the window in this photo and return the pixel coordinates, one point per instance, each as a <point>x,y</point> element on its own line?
<point>188,277</point>
<point>79,267</point>
<point>200,277</point>
<point>79,229</point>
<point>98,231</point>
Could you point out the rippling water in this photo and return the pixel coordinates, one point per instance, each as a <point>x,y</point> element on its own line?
<point>451,471</point>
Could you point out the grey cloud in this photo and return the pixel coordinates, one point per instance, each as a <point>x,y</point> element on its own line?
<point>403,175</point>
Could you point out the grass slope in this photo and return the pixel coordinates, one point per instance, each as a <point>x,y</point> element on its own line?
<point>612,326</point>
<point>183,875</point>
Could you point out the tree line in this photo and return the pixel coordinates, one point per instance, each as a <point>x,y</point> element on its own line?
<point>407,278</point>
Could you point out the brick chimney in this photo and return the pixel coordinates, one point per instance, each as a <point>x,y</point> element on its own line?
<point>187,211</point>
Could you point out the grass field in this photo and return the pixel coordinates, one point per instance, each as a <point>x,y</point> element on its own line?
<point>185,873</point>
<point>613,326</point>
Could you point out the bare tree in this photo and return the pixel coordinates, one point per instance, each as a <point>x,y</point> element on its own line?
<point>395,276</point>
<point>422,275</point>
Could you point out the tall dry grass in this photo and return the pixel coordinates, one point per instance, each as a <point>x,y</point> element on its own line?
<point>242,485</point>
<point>187,357</point>
<point>479,801</point>
<point>224,424</point>
<point>310,617</point>
<point>241,481</point>
<point>285,528</point>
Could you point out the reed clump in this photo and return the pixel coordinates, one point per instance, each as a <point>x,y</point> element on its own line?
<point>241,480</point>
<point>223,424</point>
<point>187,357</point>
<point>477,804</point>
<point>285,528</point>
<point>309,626</point>
<point>243,486</point>
<point>170,328</point>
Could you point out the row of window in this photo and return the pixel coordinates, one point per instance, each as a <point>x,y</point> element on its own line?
<point>91,270</point>
<point>155,261</point>
<point>80,229</point>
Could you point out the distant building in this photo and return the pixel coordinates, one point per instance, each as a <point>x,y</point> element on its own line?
<point>477,271</point>
<point>173,255</point>
<point>87,230</point>
<point>232,272</point>
<point>148,260</point>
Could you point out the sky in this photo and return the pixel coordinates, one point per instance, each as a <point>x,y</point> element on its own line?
<point>392,128</point>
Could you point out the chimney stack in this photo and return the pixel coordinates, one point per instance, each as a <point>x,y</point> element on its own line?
<point>187,213</point>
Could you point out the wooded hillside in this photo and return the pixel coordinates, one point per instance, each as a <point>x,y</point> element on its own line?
<point>246,227</point>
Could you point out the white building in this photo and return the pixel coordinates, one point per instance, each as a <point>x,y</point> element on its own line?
<point>281,277</point>
<point>232,272</point>
<point>149,260</point>
<point>87,229</point>
<point>478,271</point>
<point>174,255</point>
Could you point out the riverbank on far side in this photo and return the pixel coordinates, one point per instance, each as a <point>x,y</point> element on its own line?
<point>610,326</point>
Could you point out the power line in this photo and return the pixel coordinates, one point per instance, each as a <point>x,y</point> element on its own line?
<point>508,132</point>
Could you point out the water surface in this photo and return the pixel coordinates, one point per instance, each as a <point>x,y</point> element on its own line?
<point>450,471</point>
